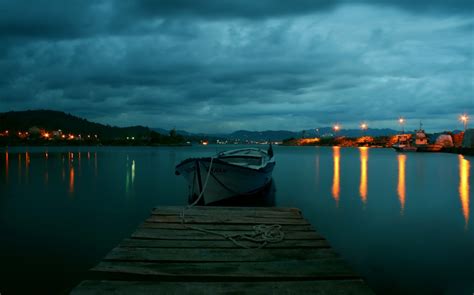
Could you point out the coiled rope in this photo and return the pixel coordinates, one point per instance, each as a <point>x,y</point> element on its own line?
<point>262,234</point>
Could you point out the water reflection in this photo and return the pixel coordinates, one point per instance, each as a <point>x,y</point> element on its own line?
<point>71,173</point>
<point>46,169</point>
<point>95,164</point>
<point>401,181</point>
<point>71,179</point>
<point>133,172</point>
<point>364,157</point>
<point>464,166</point>
<point>27,167</point>
<point>130,175</point>
<point>19,168</point>
<point>317,169</point>
<point>6,166</point>
<point>336,187</point>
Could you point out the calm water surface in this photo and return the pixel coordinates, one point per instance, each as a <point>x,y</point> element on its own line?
<point>403,221</point>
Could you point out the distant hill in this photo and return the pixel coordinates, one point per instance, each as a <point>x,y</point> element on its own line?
<point>54,120</point>
<point>260,135</point>
<point>280,135</point>
<point>349,132</point>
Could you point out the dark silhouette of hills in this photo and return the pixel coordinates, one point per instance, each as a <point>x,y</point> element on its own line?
<point>16,121</point>
<point>55,120</point>
<point>285,134</point>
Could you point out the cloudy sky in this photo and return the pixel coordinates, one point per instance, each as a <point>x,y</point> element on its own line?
<point>221,65</point>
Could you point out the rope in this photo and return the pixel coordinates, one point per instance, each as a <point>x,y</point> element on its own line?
<point>262,234</point>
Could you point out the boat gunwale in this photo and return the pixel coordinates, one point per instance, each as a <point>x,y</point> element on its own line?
<point>262,168</point>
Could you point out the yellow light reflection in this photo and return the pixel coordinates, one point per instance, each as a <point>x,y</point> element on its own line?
<point>336,189</point>
<point>401,181</point>
<point>364,157</point>
<point>27,159</point>
<point>464,167</point>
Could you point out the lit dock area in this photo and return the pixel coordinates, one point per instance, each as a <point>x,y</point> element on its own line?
<point>166,256</point>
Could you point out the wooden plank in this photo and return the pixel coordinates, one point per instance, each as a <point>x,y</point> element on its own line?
<point>216,208</point>
<point>333,268</point>
<point>321,287</point>
<point>166,256</point>
<point>164,234</point>
<point>147,243</point>
<point>235,227</point>
<point>226,212</point>
<point>215,255</point>
<point>227,220</point>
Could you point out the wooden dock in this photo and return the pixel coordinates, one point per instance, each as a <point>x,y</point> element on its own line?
<point>163,256</point>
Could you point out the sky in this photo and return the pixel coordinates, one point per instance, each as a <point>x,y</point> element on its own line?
<point>220,65</point>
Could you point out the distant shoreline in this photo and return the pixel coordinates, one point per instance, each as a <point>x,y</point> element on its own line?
<point>453,150</point>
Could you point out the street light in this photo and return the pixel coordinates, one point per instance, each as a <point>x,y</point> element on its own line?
<point>336,127</point>
<point>364,127</point>
<point>464,118</point>
<point>401,121</point>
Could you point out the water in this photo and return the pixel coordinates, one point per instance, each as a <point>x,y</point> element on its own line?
<point>401,221</point>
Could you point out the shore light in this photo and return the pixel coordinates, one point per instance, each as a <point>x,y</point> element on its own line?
<point>363,126</point>
<point>401,121</point>
<point>464,118</point>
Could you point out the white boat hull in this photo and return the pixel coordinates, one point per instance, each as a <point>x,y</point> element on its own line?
<point>224,180</point>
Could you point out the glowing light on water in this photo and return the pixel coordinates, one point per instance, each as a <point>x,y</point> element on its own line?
<point>133,172</point>
<point>401,189</point>
<point>464,167</point>
<point>364,156</point>
<point>336,186</point>
<point>6,165</point>
<point>27,167</point>
<point>71,179</point>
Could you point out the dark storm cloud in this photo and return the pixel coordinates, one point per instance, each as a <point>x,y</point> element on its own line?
<point>252,9</point>
<point>245,64</point>
<point>50,19</point>
<point>76,18</point>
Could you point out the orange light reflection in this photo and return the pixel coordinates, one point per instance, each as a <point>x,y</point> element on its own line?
<point>364,157</point>
<point>401,182</point>
<point>336,189</point>
<point>71,179</point>
<point>6,165</point>
<point>464,167</point>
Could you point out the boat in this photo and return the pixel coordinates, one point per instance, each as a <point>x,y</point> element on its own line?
<point>421,144</point>
<point>228,174</point>
<point>404,144</point>
<point>430,148</point>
